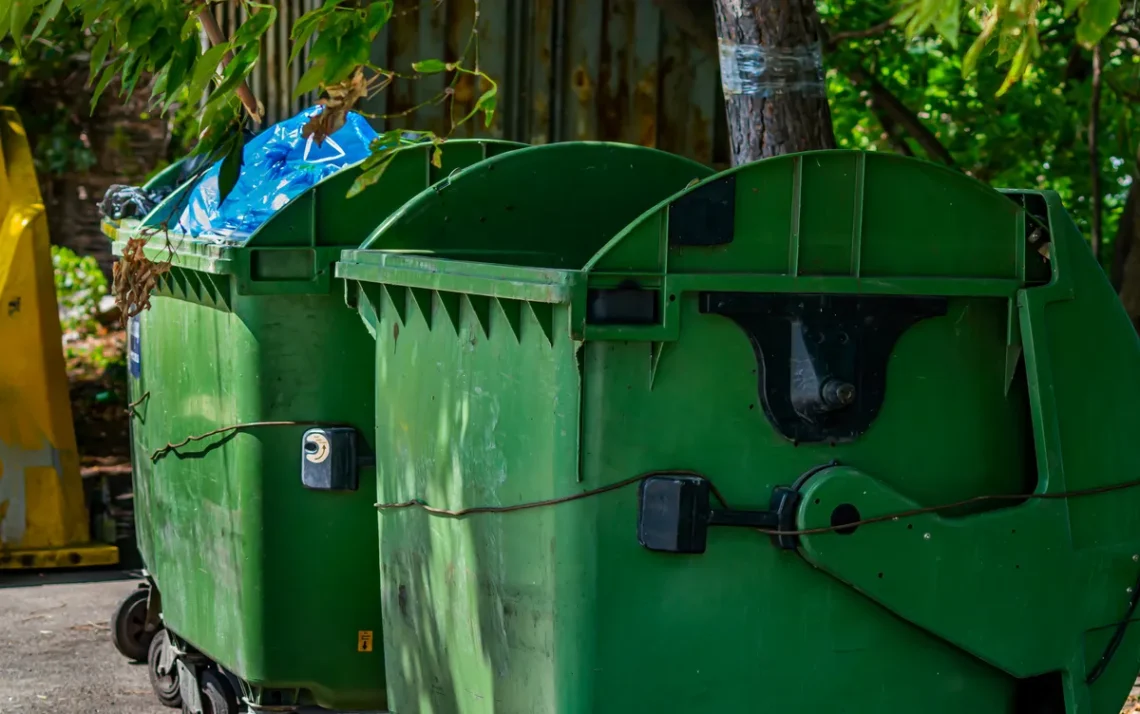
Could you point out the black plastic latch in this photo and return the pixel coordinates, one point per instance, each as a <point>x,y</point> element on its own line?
<point>329,459</point>
<point>674,514</point>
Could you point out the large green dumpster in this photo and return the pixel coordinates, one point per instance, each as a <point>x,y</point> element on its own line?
<point>839,343</point>
<point>265,580</point>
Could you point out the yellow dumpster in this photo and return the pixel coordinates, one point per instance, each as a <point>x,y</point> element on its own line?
<point>43,517</point>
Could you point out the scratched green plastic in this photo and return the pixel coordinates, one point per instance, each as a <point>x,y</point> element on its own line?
<point>497,392</point>
<point>271,580</point>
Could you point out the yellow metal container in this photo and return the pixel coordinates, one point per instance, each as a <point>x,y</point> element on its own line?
<point>43,517</point>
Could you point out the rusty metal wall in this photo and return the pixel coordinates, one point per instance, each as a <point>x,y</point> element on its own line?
<point>607,70</point>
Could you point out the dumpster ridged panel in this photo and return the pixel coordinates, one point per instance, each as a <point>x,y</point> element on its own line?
<point>556,607</point>
<point>273,581</point>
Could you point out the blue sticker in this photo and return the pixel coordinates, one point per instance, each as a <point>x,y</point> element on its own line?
<point>134,347</point>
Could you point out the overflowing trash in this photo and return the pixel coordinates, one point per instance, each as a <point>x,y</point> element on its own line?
<point>278,165</point>
<point>131,201</point>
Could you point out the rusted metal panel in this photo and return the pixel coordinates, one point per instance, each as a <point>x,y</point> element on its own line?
<point>636,71</point>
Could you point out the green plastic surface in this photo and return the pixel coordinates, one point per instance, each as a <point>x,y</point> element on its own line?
<point>498,391</point>
<point>271,580</point>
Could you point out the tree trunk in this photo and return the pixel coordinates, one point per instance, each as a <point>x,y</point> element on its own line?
<point>1125,272</point>
<point>772,74</point>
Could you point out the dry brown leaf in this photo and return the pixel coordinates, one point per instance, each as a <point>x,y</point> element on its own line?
<point>134,277</point>
<point>339,102</point>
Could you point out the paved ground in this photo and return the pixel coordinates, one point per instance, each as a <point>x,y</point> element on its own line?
<point>55,647</point>
<point>56,654</point>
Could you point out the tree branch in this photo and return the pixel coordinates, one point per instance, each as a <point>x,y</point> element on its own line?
<point>1094,157</point>
<point>899,113</point>
<point>210,26</point>
<point>846,35</point>
<point>894,132</point>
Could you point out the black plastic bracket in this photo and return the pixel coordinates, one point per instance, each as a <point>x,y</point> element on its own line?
<point>331,459</point>
<point>822,359</point>
<point>674,515</point>
<point>626,304</point>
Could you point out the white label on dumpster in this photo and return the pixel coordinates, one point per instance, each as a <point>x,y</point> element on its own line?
<point>317,450</point>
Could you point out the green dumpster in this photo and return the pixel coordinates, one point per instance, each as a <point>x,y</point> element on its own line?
<point>829,432</point>
<point>265,579</point>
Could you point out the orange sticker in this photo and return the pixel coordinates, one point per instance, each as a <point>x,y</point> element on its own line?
<point>364,641</point>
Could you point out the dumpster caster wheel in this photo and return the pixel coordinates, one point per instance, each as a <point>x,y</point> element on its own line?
<point>218,696</point>
<point>128,627</point>
<point>165,686</point>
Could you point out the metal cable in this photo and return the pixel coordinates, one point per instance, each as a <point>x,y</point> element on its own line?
<point>159,453</point>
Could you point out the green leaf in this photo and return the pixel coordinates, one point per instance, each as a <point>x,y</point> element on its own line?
<point>158,90</point>
<point>430,66</point>
<point>949,24</point>
<point>99,54</point>
<point>230,171</point>
<point>311,80</point>
<point>179,69</point>
<point>252,29</point>
<point>1097,18</point>
<point>143,25</point>
<point>1020,63</point>
<point>47,16</point>
<point>21,13</point>
<point>237,70</point>
<point>303,29</point>
<point>108,75</point>
<point>204,70</point>
<point>132,70</point>
<point>1072,6</point>
<point>372,175</point>
<point>379,13</point>
<point>487,103</point>
<point>355,50</point>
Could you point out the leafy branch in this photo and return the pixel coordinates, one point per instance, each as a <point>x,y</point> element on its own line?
<point>1012,25</point>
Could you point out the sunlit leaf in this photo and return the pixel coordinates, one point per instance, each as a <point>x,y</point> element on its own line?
<point>237,70</point>
<point>312,79</point>
<point>429,66</point>
<point>1097,18</point>
<point>487,104</point>
<point>378,15</point>
<point>252,29</point>
<point>204,70</point>
<point>371,176</point>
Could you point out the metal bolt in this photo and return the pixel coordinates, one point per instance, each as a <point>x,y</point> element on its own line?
<point>926,536</point>
<point>837,394</point>
<point>846,393</point>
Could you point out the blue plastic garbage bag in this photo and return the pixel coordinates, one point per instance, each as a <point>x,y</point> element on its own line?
<point>278,164</point>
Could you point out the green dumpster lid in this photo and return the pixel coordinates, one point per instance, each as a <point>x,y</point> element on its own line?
<point>322,217</point>
<point>552,206</point>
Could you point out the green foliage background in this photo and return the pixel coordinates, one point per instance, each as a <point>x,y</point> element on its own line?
<point>1005,86</point>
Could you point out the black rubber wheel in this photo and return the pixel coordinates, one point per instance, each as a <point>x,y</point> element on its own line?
<point>218,696</point>
<point>165,686</point>
<point>128,627</point>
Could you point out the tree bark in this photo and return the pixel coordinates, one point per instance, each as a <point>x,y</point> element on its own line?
<point>772,74</point>
<point>1125,271</point>
<point>1094,155</point>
